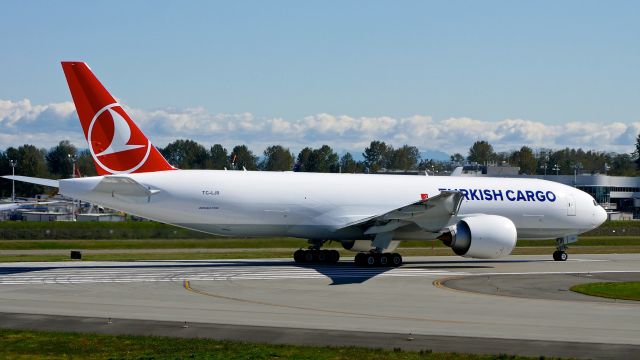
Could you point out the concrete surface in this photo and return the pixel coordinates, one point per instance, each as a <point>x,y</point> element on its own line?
<point>345,298</point>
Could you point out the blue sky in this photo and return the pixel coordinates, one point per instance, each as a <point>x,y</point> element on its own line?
<point>540,66</point>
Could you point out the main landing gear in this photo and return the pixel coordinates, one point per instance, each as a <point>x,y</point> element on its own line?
<point>315,255</point>
<point>378,259</point>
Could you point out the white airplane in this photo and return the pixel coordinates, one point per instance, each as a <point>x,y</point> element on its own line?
<point>369,214</point>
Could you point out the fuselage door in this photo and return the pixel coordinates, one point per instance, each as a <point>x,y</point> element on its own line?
<point>571,205</point>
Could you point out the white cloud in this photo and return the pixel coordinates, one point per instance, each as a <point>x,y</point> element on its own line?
<point>45,125</point>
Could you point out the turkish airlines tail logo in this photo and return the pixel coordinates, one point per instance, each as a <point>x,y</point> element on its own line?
<point>116,143</point>
<point>121,136</point>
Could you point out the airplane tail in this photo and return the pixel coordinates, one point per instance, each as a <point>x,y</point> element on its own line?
<point>116,143</point>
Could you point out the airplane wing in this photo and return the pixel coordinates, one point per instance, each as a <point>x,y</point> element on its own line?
<point>431,214</point>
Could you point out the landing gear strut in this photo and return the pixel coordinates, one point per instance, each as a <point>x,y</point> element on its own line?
<point>378,259</point>
<point>315,255</point>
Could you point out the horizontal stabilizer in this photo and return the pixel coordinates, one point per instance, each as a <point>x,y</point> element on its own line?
<point>125,188</point>
<point>34,180</point>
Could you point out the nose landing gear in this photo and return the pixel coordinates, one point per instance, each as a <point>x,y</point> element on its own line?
<point>561,245</point>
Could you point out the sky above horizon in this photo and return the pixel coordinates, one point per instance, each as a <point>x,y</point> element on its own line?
<point>437,75</point>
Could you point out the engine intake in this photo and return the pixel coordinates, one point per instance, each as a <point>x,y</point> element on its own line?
<point>482,237</point>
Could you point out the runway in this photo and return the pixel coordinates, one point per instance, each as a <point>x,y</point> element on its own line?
<point>521,299</point>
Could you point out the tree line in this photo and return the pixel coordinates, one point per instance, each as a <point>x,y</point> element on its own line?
<point>60,160</point>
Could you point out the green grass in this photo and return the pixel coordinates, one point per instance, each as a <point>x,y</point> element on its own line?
<point>613,290</point>
<point>218,243</point>
<point>19,230</point>
<point>18,344</point>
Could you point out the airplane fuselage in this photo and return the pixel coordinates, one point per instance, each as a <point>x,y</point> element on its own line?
<point>315,205</point>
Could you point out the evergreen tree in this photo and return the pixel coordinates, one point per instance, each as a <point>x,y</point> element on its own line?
<point>481,152</point>
<point>404,158</point>
<point>60,159</point>
<point>242,157</point>
<point>186,154</point>
<point>323,160</point>
<point>376,156</point>
<point>218,158</point>
<point>277,158</point>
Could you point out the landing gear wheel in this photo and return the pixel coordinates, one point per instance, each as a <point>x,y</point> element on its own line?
<point>309,256</point>
<point>322,256</point>
<point>396,259</point>
<point>298,256</point>
<point>360,259</point>
<point>560,256</point>
<point>334,256</point>
<point>370,260</point>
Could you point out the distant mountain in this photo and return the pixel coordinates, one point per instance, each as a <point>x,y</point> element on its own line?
<point>435,155</point>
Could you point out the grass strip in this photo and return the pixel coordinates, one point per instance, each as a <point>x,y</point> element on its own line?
<point>20,344</point>
<point>612,290</point>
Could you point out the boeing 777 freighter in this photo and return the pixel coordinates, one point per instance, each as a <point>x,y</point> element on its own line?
<point>369,214</point>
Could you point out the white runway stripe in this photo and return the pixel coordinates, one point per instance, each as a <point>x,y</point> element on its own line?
<point>217,272</point>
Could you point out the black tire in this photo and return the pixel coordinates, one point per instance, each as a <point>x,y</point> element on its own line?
<point>309,256</point>
<point>298,256</point>
<point>384,260</point>
<point>556,255</point>
<point>334,256</point>
<point>563,256</point>
<point>396,260</point>
<point>371,260</point>
<point>322,256</point>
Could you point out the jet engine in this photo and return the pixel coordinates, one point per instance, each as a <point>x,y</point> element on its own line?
<point>365,245</point>
<point>482,237</point>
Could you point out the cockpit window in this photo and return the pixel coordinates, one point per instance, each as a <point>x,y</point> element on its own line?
<point>595,203</point>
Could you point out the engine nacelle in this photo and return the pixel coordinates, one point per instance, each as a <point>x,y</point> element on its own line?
<point>482,237</point>
<point>365,245</point>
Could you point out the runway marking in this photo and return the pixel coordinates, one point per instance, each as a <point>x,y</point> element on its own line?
<point>79,275</point>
